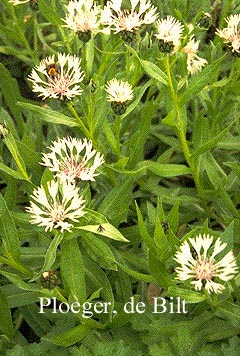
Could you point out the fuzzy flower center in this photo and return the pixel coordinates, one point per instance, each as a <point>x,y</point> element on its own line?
<point>204,270</point>
<point>58,213</point>
<point>59,85</point>
<point>72,167</point>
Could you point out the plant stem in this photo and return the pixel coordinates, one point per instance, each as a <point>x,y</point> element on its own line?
<point>117,133</point>
<point>181,130</point>
<point>79,120</point>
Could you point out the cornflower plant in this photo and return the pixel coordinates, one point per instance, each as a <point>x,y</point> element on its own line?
<point>119,204</point>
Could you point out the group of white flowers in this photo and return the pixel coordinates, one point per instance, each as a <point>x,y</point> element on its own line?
<point>87,18</point>
<point>60,76</point>
<point>58,204</point>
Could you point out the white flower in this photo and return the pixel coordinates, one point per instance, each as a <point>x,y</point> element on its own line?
<point>70,158</point>
<point>57,77</point>
<point>125,19</point>
<point>194,62</point>
<point>203,269</point>
<point>118,91</point>
<point>83,16</point>
<point>57,206</point>
<point>3,130</point>
<point>169,31</point>
<point>33,3</point>
<point>231,33</point>
<point>19,2</point>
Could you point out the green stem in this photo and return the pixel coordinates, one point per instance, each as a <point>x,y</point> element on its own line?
<point>181,130</point>
<point>79,120</point>
<point>118,125</point>
<point>35,37</point>
<point>65,40</point>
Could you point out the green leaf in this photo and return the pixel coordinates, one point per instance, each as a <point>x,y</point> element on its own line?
<point>99,278</point>
<point>187,295</point>
<point>200,80</point>
<point>144,232</point>
<point>11,144</point>
<point>135,274</point>
<point>99,251</point>
<point>72,270</point>
<point>104,229</point>
<point>70,337</point>
<point>11,172</point>
<point>49,115</point>
<point>137,142</point>
<point>7,120</point>
<point>167,170</point>
<point>229,311</point>
<point>17,297</point>
<point>6,325</point>
<point>159,272</point>
<point>36,321</point>
<point>211,143</point>
<point>170,119</point>
<point>139,95</point>
<point>115,205</point>
<point>173,217</point>
<point>52,16</point>
<point>50,255</point>
<point>228,237</point>
<point>151,69</point>
<point>9,231</point>
<point>214,172</point>
<point>201,133</point>
<point>11,93</point>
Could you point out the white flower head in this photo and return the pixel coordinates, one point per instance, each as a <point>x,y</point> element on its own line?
<point>18,2</point>
<point>194,62</point>
<point>73,159</point>
<point>57,206</point>
<point>169,33</point>
<point>201,265</point>
<point>32,3</point>
<point>121,19</point>
<point>57,77</point>
<point>3,130</point>
<point>118,91</point>
<point>83,16</point>
<point>231,33</point>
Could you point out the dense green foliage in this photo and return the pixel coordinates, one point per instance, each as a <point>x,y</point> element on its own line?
<point>171,172</point>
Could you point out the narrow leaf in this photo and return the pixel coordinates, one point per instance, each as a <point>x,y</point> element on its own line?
<point>99,251</point>
<point>6,325</point>
<point>168,170</point>
<point>9,231</point>
<point>200,80</point>
<point>70,337</point>
<point>104,229</point>
<point>209,144</point>
<point>72,270</point>
<point>49,115</point>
